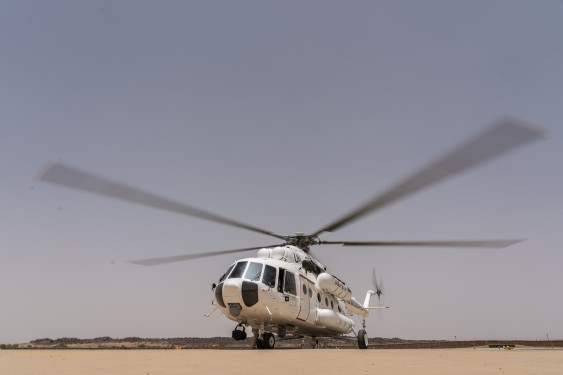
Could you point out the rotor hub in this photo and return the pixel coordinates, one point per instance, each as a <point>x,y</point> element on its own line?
<point>302,241</point>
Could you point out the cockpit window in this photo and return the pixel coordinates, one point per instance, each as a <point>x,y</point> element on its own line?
<point>289,283</point>
<point>238,270</point>
<point>269,277</point>
<point>254,271</point>
<point>226,273</point>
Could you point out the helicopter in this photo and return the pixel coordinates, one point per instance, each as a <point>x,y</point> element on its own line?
<point>284,291</point>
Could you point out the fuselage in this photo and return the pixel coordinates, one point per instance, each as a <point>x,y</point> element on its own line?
<point>274,292</point>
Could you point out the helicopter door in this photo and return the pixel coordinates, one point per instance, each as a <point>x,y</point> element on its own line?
<point>304,304</point>
<point>288,289</point>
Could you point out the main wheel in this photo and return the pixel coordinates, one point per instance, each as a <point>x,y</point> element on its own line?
<point>268,340</point>
<point>362,339</point>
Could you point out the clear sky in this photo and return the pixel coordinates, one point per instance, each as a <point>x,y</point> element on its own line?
<point>283,115</point>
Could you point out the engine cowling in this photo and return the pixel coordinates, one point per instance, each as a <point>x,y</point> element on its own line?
<point>311,266</point>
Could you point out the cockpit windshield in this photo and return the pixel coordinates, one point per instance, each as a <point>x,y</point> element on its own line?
<point>254,271</point>
<point>238,270</point>
<point>226,273</point>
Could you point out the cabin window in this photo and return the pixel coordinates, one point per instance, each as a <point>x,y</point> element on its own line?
<point>269,277</point>
<point>326,302</point>
<point>280,280</point>
<point>254,271</point>
<point>310,293</point>
<point>238,270</point>
<point>226,273</point>
<point>289,283</point>
<point>331,304</point>
<point>304,290</point>
<point>319,297</point>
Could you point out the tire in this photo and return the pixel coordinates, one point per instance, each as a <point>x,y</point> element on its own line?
<point>362,339</point>
<point>238,334</point>
<point>268,340</point>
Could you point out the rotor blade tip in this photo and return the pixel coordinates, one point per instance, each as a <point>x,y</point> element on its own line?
<point>514,242</point>
<point>44,170</point>
<point>541,132</point>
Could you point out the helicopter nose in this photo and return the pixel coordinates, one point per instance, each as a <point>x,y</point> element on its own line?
<point>231,291</point>
<point>232,296</point>
<point>238,293</point>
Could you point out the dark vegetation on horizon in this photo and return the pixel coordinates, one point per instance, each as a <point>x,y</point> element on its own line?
<point>228,343</point>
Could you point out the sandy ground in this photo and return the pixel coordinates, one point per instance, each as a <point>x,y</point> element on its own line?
<point>328,361</point>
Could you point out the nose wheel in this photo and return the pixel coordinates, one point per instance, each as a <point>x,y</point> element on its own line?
<point>239,333</point>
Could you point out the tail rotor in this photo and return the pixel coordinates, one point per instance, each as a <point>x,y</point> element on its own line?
<point>378,286</point>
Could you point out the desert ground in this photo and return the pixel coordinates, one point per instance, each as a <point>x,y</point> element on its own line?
<point>306,361</point>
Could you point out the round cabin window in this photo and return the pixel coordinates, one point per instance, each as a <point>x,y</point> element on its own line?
<point>304,290</point>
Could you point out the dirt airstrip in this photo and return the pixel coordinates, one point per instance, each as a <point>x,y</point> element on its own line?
<point>308,361</point>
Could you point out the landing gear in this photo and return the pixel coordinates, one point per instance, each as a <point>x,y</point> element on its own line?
<point>362,339</point>
<point>259,344</point>
<point>268,341</point>
<point>239,333</point>
<point>314,343</point>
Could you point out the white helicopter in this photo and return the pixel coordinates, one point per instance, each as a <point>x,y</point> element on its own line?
<point>283,289</point>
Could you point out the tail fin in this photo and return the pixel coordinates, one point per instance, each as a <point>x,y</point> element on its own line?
<point>366,302</point>
<point>368,298</point>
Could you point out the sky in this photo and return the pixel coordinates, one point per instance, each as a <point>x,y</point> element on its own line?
<point>284,115</point>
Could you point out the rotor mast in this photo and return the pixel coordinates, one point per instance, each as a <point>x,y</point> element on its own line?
<point>302,241</point>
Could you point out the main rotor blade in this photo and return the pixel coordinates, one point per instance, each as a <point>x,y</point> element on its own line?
<point>61,174</point>
<point>480,243</point>
<point>180,258</point>
<point>505,135</point>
